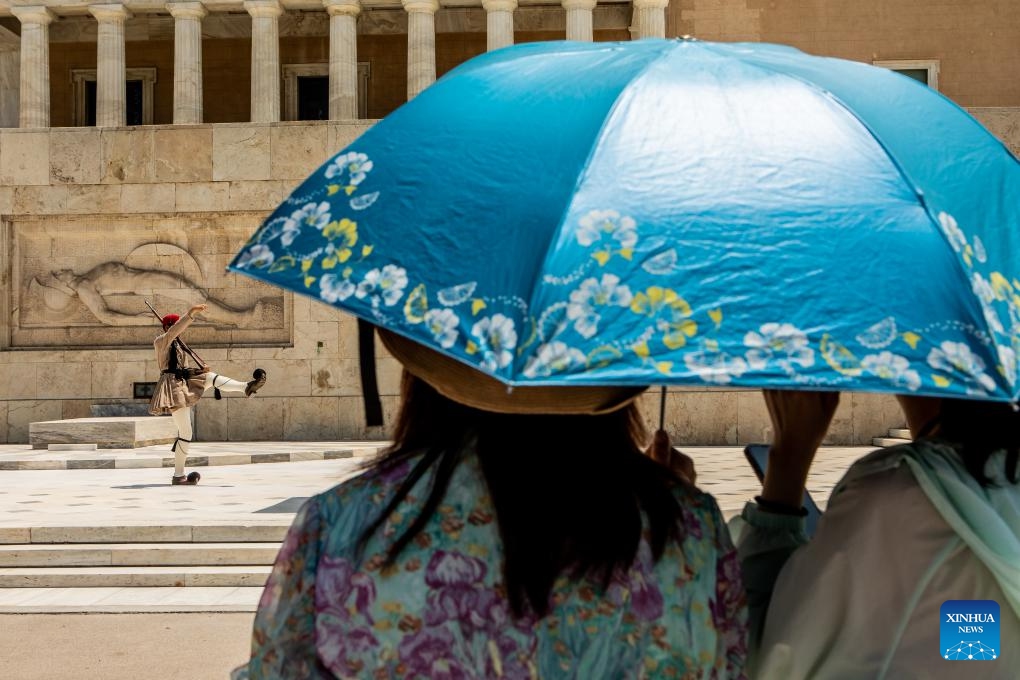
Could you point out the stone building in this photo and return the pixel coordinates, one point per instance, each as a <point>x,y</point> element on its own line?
<point>143,141</point>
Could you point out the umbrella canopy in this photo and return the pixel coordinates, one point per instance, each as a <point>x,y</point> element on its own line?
<point>673,212</point>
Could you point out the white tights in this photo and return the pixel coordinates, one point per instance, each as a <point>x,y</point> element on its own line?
<point>182,417</point>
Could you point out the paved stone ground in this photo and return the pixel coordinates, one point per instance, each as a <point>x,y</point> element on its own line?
<point>123,646</point>
<point>258,494</point>
<point>271,493</point>
<point>37,505</point>
<point>24,457</point>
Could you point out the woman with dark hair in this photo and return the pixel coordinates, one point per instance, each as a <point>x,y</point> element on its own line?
<point>906,530</point>
<point>517,534</point>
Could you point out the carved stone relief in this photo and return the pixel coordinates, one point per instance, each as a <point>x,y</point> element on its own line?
<point>83,282</point>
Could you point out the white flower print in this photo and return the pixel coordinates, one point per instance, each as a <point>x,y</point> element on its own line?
<point>598,224</point>
<point>781,343</point>
<point>310,215</point>
<point>992,318</point>
<point>1007,357</point>
<point>497,338</point>
<point>357,165</point>
<point>893,368</point>
<point>333,288</point>
<point>982,288</point>
<point>384,285</point>
<point>986,296</point>
<point>442,323</point>
<point>952,232</point>
<point>258,255</point>
<point>715,367</point>
<point>585,301</point>
<point>956,357</point>
<point>554,357</point>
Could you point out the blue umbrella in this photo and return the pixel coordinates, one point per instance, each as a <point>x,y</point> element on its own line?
<point>673,212</point>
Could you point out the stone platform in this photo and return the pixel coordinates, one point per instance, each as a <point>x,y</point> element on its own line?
<point>201,454</point>
<point>119,432</point>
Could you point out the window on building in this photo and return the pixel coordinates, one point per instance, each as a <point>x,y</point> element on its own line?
<point>306,91</point>
<point>140,83</point>
<point>313,97</point>
<point>922,70</point>
<point>135,103</point>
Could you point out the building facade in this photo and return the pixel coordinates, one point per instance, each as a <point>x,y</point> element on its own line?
<point>143,141</point>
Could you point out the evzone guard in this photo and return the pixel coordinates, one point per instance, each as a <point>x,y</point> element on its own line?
<point>180,386</point>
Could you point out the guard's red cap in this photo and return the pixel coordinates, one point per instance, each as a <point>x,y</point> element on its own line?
<point>170,320</point>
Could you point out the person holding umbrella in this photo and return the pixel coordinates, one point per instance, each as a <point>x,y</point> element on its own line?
<point>181,386</point>
<point>515,535</point>
<point>906,530</point>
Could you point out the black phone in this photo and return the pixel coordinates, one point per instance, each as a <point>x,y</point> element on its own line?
<point>758,456</point>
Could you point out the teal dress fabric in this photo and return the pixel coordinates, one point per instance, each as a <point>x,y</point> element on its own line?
<point>441,612</point>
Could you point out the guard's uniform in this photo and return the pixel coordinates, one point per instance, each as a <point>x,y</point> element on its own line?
<point>181,386</point>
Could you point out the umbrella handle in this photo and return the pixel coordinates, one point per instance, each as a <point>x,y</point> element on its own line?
<point>662,408</point>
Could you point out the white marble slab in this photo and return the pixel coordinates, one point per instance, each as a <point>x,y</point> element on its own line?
<point>120,432</point>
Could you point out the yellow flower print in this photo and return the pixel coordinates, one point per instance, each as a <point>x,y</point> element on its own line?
<point>416,305</point>
<point>306,264</point>
<point>338,252</point>
<point>1001,286</point>
<point>345,229</point>
<point>671,312</point>
<point>282,263</point>
<point>839,358</point>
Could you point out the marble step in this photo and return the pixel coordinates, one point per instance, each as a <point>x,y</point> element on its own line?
<point>886,442</point>
<point>212,533</point>
<point>137,554</point>
<point>128,600</point>
<point>900,433</point>
<point>130,577</point>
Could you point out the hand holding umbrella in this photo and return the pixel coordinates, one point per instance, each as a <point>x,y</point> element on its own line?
<point>800,421</point>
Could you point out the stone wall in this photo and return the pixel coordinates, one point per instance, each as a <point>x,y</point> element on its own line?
<point>975,40</point>
<point>168,206</point>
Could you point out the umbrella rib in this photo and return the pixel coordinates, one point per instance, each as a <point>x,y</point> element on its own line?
<point>582,176</point>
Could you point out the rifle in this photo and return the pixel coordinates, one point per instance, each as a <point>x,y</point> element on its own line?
<point>179,339</point>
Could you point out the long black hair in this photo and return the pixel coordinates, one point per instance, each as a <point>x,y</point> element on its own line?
<point>977,429</point>
<point>569,492</point>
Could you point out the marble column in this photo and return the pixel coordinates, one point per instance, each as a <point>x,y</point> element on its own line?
<point>343,58</point>
<point>187,61</point>
<point>10,78</point>
<point>499,23</point>
<point>421,44</point>
<point>650,18</point>
<point>111,73</point>
<point>34,79</point>
<point>579,19</point>
<point>265,59</point>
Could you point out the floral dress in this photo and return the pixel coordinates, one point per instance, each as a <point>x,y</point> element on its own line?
<point>441,612</point>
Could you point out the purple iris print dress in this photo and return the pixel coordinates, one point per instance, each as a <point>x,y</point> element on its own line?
<point>441,612</point>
